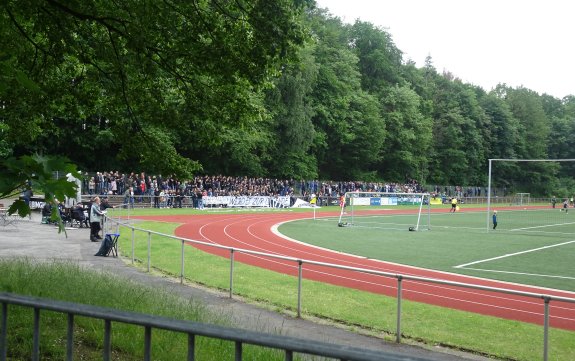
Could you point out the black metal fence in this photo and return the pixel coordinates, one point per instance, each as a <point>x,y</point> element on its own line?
<point>239,337</point>
<point>547,298</point>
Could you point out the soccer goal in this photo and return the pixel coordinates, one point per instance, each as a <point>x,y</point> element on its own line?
<point>520,199</point>
<point>380,210</point>
<point>524,189</point>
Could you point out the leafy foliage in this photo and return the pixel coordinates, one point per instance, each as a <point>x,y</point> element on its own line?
<point>134,73</point>
<point>29,173</point>
<point>262,88</point>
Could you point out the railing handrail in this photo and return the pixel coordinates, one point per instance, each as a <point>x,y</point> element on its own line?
<point>287,343</point>
<point>362,270</point>
<point>547,298</point>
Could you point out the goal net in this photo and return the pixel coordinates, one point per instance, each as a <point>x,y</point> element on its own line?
<point>552,222</point>
<point>400,211</point>
<point>529,195</point>
<point>521,199</point>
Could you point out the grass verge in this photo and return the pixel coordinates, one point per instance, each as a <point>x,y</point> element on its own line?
<point>70,282</point>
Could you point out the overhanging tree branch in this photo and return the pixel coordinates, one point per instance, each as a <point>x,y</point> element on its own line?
<point>101,20</point>
<point>23,32</point>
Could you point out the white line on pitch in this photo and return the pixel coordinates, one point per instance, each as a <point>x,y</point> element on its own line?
<point>513,254</point>
<point>521,273</point>
<point>542,226</point>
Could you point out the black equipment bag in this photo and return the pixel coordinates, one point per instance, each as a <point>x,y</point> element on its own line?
<point>106,246</point>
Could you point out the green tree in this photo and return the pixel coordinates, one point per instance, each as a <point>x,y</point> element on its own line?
<point>504,132</point>
<point>476,133</point>
<point>349,129</point>
<point>409,137</point>
<point>291,110</point>
<point>534,129</point>
<point>153,71</point>
<point>458,150</point>
<point>28,173</point>
<point>133,83</point>
<point>380,61</point>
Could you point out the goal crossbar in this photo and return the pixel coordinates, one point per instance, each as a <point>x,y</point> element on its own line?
<point>354,199</point>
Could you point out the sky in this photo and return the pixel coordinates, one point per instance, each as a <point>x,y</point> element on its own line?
<point>529,43</point>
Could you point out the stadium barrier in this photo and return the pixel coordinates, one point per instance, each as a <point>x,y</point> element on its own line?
<point>240,337</point>
<point>147,201</point>
<point>547,298</point>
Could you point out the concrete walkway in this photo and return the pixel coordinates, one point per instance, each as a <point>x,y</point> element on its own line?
<point>31,239</point>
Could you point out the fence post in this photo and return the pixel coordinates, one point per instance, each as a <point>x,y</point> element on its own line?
<point>239,349</point>
<point>133,245</point>
<point>36,336</point>
<point>4,334</point>
<point>147,343</point>
<point>299,282</point>
<point>182,264</point>
<point>546,330</point>
<point>398,329</point>
<point>107,352</point>
<point>149,250</point>
<point>118,224</point>
<point>70,338</point>
<point>231,272</point>
<point>191,347</point>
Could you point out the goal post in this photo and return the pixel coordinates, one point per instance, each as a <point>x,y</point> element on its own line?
<point>531,174</point>
<point>357,209</point>
<point>521,199</point>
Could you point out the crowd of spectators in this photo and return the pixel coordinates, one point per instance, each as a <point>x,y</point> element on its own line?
<point>172,192</point>
<point>142,184</point>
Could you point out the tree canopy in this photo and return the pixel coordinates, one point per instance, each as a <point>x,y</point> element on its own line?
<point>270,88</point>
<point>146,78</point>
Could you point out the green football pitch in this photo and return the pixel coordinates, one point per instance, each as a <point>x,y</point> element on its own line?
<point>530,246</point>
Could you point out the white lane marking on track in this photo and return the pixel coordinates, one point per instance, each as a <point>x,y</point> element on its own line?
<point>432,294</point>
<point>439,288</point>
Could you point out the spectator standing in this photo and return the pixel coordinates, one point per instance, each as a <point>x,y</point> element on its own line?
<point>95,218</point>
<point>156,198</point>
<point>91,186</point>
<point>162,199</point>
<point>129,197</point>
<point>27,194</point>
<point>178,199</point>
<point>113,185</point>
<point>200,195</point>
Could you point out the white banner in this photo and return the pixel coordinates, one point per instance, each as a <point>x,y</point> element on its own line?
<point>247,201</point>
<point>359,201</point>
<point>300,203</point>
<point>389,201</point>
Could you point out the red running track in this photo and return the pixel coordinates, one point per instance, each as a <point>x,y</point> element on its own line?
<point>255,232</point>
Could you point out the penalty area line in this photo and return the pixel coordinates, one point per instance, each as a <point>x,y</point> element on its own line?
<point>513,254</point>
<point>543,226</point>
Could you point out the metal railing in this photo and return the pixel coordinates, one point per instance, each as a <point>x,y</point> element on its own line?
<point>300,263</point>
<point>240,337</point>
